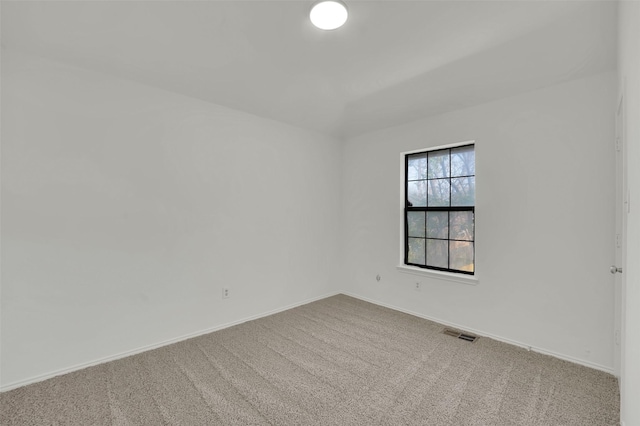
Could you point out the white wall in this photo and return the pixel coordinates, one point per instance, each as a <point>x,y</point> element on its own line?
<point>544,215</point>
<point>126,209</point>
<point>629,72</point>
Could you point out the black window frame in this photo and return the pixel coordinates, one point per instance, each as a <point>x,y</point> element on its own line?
<point>410,208</point>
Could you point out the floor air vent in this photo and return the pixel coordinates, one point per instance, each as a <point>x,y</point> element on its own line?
<point>460,335</point>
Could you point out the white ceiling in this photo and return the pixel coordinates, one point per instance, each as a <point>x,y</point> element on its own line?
<point>394,61</point>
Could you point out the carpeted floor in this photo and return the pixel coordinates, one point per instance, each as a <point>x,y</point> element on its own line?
<point>338,361</point>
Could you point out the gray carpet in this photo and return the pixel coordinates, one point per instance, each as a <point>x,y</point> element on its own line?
<point>338,361</point>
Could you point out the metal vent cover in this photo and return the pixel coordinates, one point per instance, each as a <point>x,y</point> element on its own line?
<point>460,335</point>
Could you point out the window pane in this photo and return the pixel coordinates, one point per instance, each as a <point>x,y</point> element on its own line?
<point>438,224</point>
<point>463,191</point>
<point>415,223</point>
<point>416,251</point>
<point>462,226</point>
<point>439,164</point>
<point>438,192</point>
<point>437,253</point>
<point>417,167</point>
<point>461,255</point>
<point>463,161</point>
<point>417,193</point>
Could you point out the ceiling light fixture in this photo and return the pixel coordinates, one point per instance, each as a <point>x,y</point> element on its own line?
<point>328,14</point>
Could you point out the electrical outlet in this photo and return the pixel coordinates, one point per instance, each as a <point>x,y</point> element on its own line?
<point>225,293</point>
<point>418,286</point>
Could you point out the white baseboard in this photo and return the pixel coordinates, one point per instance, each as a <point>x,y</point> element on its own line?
<point>125,354</point>
<point>490,335</point>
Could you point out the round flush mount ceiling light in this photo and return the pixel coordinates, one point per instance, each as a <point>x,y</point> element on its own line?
<point>328,14</point>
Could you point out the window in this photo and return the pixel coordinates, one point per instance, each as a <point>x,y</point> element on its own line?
<point>439,210</point>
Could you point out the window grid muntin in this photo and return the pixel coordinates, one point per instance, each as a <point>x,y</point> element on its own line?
<point>427,208</point>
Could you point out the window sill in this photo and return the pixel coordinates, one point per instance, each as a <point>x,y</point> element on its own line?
<point>447,276</point>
